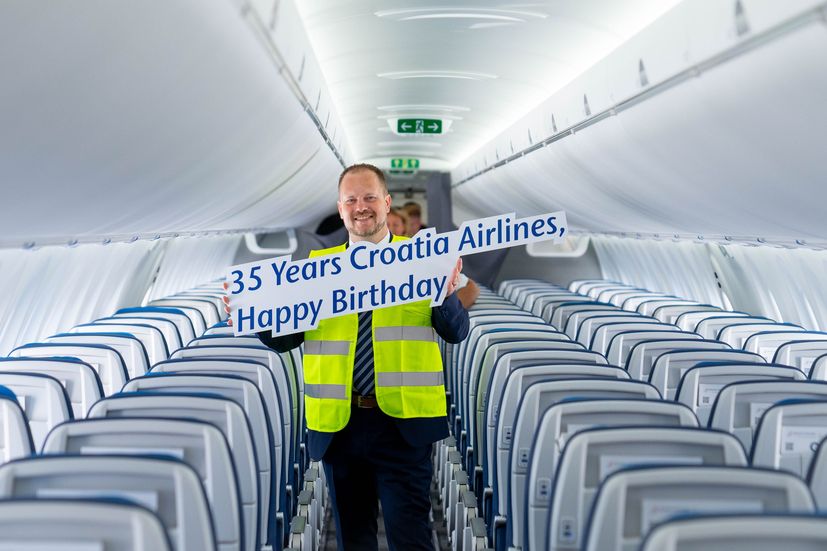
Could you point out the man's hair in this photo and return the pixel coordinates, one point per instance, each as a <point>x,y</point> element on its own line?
<point>365,167</point>
<point>413,209</point>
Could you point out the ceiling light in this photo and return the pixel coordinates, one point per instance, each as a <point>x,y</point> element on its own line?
<point>467,75</point>
<point>478,26</point>
<point>408,143</point>
<point>423,107</point>
<point>395,116</point>
<point>455,12</point>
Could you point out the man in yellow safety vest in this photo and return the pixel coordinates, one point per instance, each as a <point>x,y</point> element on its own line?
<point>374,391</point>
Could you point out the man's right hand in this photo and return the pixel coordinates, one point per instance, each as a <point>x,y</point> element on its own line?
<point>226,300</point>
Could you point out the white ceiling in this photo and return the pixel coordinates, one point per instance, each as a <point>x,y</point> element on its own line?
<point>481,64</point>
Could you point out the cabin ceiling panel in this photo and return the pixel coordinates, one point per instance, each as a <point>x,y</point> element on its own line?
<point>509,56</point>
<point>733,150</point>
<point>123,118</point>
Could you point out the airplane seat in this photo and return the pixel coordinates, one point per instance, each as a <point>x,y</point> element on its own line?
<point>767,343</point>
<point>689,320</point>
<point>621,345</point>
<point>700,385</point>
<point>757,532</point>
<point>529,508</point>
<point>80,524</point>
<point>669,313</point>
<point>167,327</point>
<point>151,337</point>
<point>131,349</point>
<point>201,445</point>
<point>18,438</point>
<point>669,368</point>
<point>630,502</point>
<point>220,412</point>
<point>170,488</point>
<point>788,435</point>
<point>591,455</point>
<point>801,352</point>
<point>710,325</point>
<point>43,400</point>
<point>285,373</point>
<point>186,330</point>
<point>80,381</point>
<point>739,406</point>
<point>740,334</point>
<point>523,396</point>
<point>106,361</point>
<point>642,355</point>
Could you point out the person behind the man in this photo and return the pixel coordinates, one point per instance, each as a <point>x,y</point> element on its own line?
<point>397,221</point>
<point>414,217</point>
<point>374,391</point>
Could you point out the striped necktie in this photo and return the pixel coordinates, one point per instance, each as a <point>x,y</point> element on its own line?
<point>363,360</point>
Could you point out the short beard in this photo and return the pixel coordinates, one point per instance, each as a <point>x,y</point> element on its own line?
<point>370,233</point>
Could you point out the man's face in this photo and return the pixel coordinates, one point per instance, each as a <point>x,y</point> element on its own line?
<point>363,205</point>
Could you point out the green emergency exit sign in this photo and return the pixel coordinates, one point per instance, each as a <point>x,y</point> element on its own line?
<point>405,164</point>
<point>419,126</point>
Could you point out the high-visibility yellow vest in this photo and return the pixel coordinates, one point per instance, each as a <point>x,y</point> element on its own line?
<point>408,375</point>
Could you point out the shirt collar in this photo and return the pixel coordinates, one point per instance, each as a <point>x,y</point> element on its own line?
<point>386,239</point>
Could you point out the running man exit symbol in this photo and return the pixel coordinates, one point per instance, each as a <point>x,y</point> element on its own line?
<point>419,126</point>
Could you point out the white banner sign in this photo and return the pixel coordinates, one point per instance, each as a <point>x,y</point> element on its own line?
<point>287,297</point>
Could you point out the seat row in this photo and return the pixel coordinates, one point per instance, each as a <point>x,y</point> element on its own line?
<point>524,394</point>
<point>212,425</point>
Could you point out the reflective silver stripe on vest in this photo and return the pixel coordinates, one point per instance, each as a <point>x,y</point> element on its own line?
<point>327,348</point>
<point>325,391</point>
<point>410,379</point>
<point>404,333</point>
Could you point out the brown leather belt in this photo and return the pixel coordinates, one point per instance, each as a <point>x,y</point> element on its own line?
<point>366,402</point>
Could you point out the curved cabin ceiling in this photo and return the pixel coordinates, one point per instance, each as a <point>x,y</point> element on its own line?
<point>480,65</point>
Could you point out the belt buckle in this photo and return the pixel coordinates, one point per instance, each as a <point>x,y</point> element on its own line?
<point>365,402</point>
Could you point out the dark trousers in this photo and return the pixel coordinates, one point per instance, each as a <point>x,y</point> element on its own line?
<point>367,462</point>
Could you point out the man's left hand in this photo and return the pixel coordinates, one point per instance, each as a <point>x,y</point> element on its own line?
<point>453,279</point>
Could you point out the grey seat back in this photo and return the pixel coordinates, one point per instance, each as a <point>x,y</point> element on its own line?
<point>526,395</point>
<point>630,503</point>
<point>169,488</point>
<point>762,532</point>
<point>79,380</point>
<point>590,456</point>
<point>17,441</point>
<point>739,407</point>
<point>488,404</point>
<point>246,394</point>
<point>222,413</point>
<point>788,436</point>
<point>201,445</point>
<point>114,526</point>
<point>529,508</point>
<point>151,337</point>
<point>43,400</point>
<point>699,387</point>
<point>642,355</point>
<point>167,327</point>
<point>622,343</point>
<point>669,368</point>
<point>130,348</point>
<point>106,362</point>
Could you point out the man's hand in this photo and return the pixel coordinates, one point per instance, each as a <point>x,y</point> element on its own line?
<point>453,279</point>
<point>226,299</point>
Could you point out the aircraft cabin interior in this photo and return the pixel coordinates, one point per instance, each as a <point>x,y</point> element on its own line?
<point>656,380</point>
